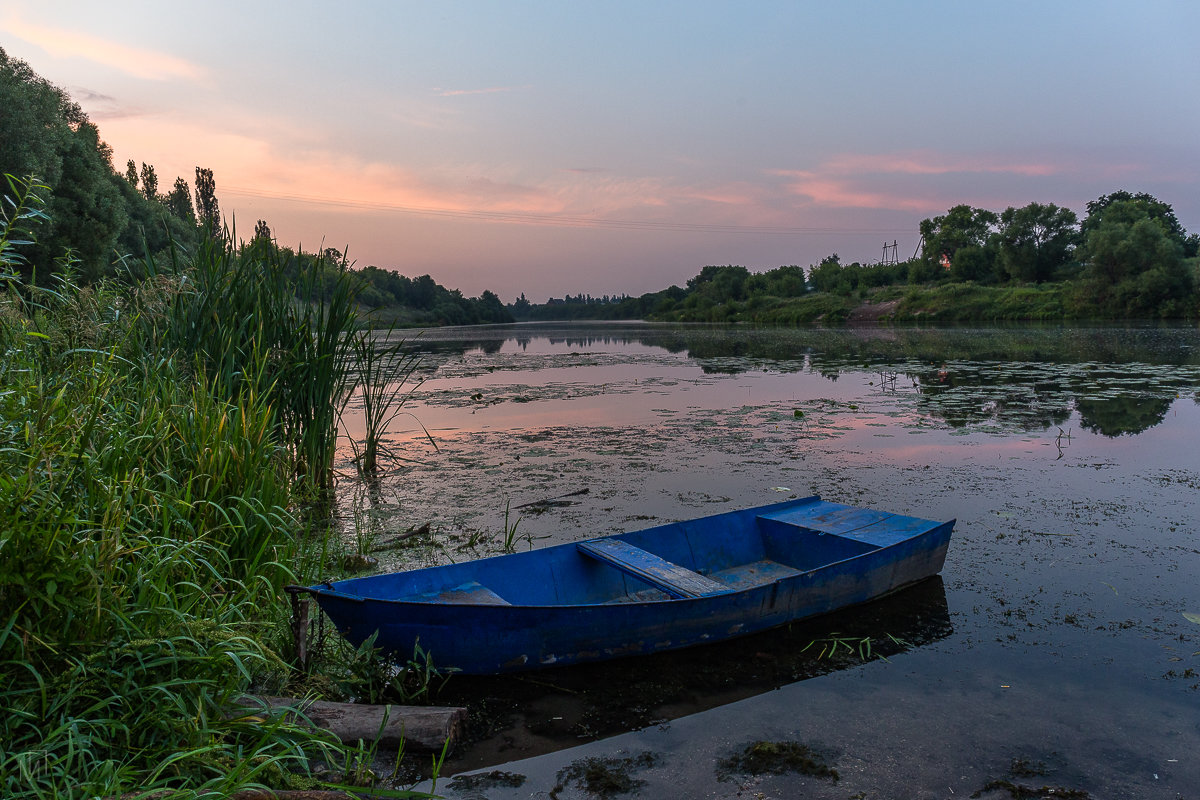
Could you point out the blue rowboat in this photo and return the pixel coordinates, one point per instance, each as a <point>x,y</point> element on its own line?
<point>661,588</point>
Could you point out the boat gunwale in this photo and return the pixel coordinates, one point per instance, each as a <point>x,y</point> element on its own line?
<point>510,607</point>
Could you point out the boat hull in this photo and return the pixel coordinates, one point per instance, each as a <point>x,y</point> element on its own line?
<point>626,614</point>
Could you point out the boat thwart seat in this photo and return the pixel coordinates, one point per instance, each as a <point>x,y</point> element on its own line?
<point>673,579</point>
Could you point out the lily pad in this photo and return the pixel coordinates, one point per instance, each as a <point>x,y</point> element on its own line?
<point>1192,616</point>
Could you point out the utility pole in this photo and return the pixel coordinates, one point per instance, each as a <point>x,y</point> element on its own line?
<point>891,254</point>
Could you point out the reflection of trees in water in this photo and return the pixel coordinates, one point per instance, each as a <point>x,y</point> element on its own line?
<point>1109,401</point>
<point>1020,396</point>
<point>1113,416</point>
<point>1026,379</point>
<point>864,346</point>
<point>1121,380</point>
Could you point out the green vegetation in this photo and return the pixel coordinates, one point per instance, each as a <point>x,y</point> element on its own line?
<point>1129,259</point>
<point>777,758</point>
<point>160,435</point>
<point>410,302</point>
<point>93,213</point>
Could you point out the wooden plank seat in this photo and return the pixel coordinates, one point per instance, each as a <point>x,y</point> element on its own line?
<point>673,579</point>
<point>756,573</point>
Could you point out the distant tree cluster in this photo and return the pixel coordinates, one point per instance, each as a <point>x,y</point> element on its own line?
<point>433,302</point>
<point>1128,258</point>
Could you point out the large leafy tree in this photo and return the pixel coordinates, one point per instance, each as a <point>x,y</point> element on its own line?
<point>1150,206</point>
<point>826,276</point>
<point>1134,262</point>
<point>720,284</point>
<point>36,122</point>
<point>87,213</point>
<point>1035,240</point>
<point>961,226</point>
<point>1147,204</point>
<point>787,281</point>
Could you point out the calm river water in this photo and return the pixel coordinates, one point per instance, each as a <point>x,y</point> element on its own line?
<point>1060,649</point>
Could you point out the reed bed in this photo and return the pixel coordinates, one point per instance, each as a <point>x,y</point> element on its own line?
<point>159,438</point>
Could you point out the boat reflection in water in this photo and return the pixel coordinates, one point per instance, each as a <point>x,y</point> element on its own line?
<point>518,716</point>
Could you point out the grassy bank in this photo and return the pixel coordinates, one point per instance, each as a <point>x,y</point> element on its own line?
<point>160,439</point>
<point>941,303</point>
<point>968,302</point>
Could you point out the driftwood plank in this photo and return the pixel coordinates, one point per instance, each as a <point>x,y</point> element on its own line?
<point>420,728</point>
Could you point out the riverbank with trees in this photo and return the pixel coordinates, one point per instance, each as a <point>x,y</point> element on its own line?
<point>1129,259</point>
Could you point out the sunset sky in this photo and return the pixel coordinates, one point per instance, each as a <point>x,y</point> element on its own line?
<point>560,147</point>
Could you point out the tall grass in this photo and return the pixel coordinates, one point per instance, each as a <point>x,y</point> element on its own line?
<point>253,319</point>
<point>155,440</point>
<point>384,382</point>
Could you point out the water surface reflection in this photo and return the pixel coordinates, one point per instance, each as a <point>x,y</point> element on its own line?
<point>1068,457</point>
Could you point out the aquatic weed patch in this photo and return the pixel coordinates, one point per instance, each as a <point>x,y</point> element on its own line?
<point>604,777</point>
<point>488,780</point>
<point>777,758</point>
<point>1019,792</point>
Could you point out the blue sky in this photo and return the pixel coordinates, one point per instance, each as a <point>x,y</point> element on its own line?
<point>559,147</point>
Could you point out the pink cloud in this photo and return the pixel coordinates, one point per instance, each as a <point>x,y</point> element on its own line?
<point>929,163</point>
<point>136,61</point>
<point>853,180</point>
<point>839,192</point>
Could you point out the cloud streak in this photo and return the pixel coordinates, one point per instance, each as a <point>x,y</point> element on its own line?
<point>135,61</point>
<point>862,180</point>
<point>465,92</point>
<point>929,163</point>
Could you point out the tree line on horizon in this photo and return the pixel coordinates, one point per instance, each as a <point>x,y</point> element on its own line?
<point>1128,258</point>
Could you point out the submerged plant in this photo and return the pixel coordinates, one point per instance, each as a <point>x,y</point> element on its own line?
<point>777,758</point>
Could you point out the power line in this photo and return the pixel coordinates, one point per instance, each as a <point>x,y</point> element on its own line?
<point>556,220</point>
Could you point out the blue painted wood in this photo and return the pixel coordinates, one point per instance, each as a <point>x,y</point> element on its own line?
<point>753,569</point>
<point>671,578</point>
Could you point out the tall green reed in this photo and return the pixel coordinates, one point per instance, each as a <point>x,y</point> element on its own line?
<point>384,381</point>
<point>148,460</point>
<point>281,325</point>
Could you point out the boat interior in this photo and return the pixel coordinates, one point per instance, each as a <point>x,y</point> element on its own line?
<point>697,558</point>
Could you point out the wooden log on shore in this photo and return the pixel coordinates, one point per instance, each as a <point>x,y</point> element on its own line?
<point>424,729</point>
